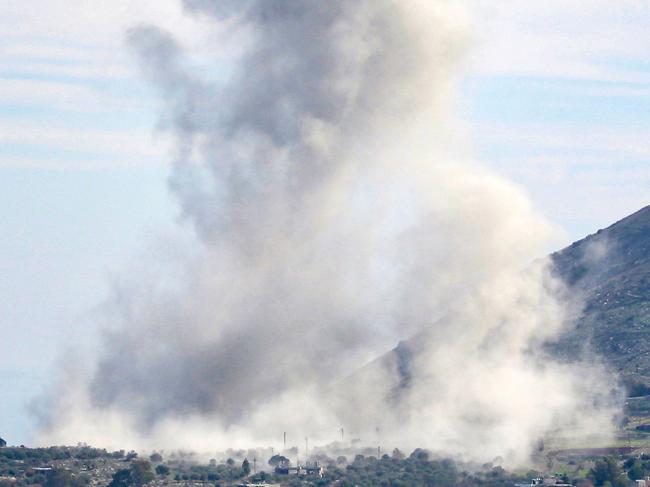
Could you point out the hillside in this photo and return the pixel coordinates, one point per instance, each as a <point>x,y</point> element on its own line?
<point>610,271</point>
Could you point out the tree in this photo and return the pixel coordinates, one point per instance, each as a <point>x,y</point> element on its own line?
<point>162,469</point>
<point>138,475</point>
<point>419,454</point>
<point>607,470</point>
<point>156,457</point>
<point>276,460</point>
<point>121,478</point>
<point>141,473</point>
<point>61,477</point>
<point>636,471</point>
<point>246,467</point>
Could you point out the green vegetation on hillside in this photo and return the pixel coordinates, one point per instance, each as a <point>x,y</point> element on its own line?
<point>608,273</point>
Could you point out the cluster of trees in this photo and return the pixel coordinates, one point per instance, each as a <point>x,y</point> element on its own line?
<point>396,470</point>
<point>219,474</point>
<point>61,477</point>
<point>416,469</point>
<point>610,472</point>
<point>637,468</point>
<point>419,469</point>
<point>607,473</point>
<point>57,477</point>
<point>46,455</point>
<point>140,473</point>
<point>21,463</point>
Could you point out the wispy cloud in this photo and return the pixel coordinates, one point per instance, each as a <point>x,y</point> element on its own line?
<point>67,61</point>
<point>568,39</point>
<point>38,145</point>
<point>59,95</point>
<point>588,143</point>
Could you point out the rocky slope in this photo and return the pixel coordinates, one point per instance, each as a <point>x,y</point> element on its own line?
<point>610,271</point>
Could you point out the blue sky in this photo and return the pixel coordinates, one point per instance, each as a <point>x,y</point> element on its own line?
<point>553,96</point>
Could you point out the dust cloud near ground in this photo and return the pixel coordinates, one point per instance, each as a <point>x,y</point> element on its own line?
<point>333,215</point>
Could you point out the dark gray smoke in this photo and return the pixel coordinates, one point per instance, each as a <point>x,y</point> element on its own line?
<point>331,222</point>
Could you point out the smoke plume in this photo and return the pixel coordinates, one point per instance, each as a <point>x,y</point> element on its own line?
<point>333,217</point>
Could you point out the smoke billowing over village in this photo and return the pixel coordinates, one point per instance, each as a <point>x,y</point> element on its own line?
<point>333,218</point>
<point>345,275</point>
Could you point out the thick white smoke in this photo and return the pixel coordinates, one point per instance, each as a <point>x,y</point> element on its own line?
<point>331,221</point>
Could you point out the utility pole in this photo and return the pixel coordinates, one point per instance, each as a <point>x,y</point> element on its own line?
<point>285,440</point>
<point>342,434</point>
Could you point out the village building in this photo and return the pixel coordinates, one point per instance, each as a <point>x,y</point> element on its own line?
<point>310,468</point>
